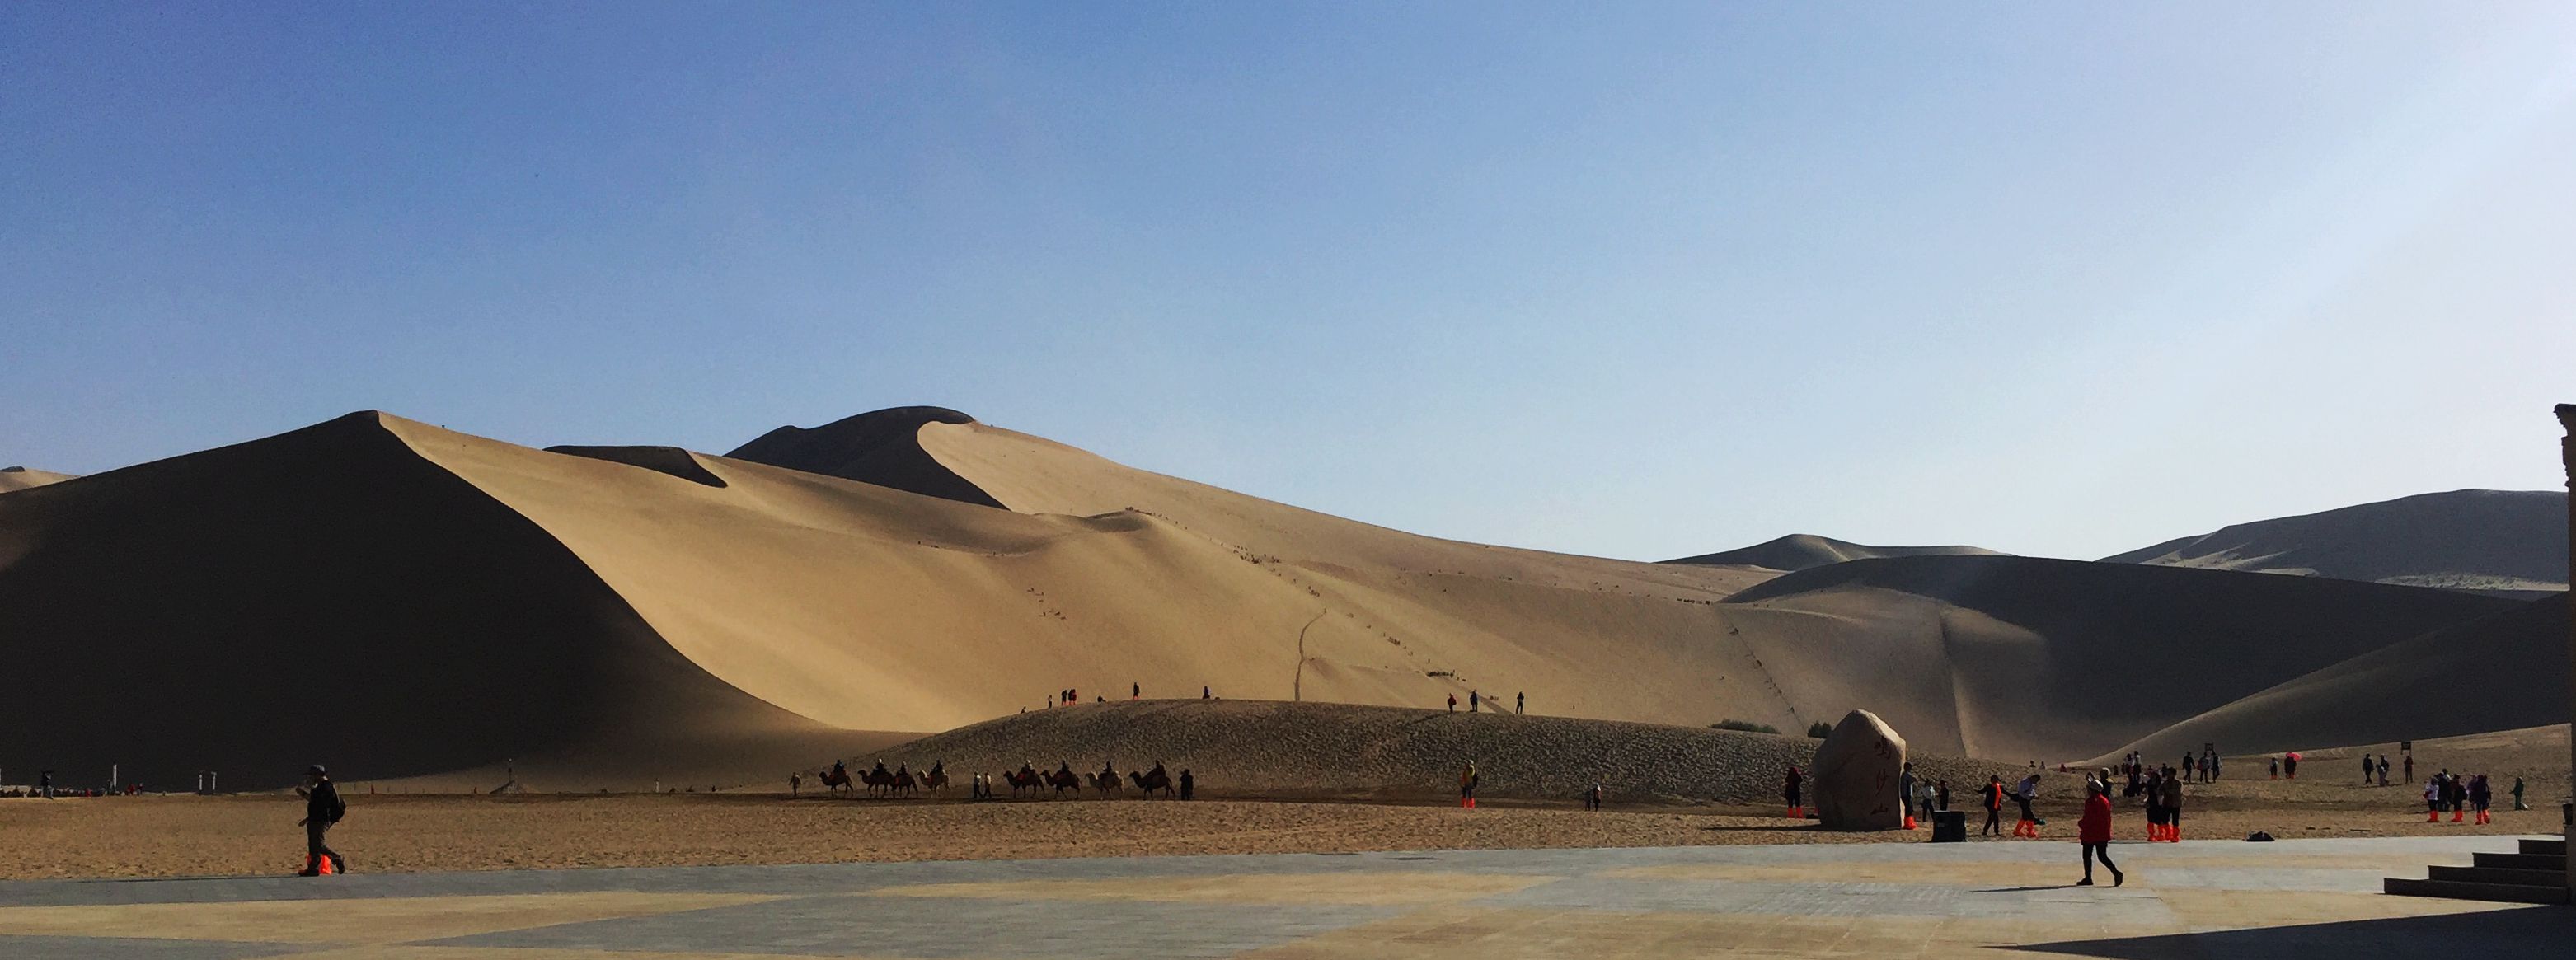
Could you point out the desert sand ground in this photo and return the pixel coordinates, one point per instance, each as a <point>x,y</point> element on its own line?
<point>256,834</point>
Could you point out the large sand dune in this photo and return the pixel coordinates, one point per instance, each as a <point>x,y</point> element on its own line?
<point>2505,671</point>
<point>1802,551</point>
<point>2510,541</point>
<point>405,601</point>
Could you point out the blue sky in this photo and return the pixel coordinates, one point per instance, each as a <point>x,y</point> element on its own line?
<point>1637,281</point>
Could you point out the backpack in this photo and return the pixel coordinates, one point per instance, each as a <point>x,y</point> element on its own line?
<point>339,807</point>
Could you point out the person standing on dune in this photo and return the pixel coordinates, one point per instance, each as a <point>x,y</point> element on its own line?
<point>322,809</point>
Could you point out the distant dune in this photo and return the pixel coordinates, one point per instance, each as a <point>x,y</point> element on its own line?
<point>1802,551</point>
<point>2496,540</point>
<point>406,602</point>
<point>2504,671</point>
<point>21,478</point>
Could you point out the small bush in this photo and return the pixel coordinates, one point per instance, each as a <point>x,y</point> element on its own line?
<point>1820,730</point>
<point>1747,726</point>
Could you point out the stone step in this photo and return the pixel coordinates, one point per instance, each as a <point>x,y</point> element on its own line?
<point>2461,890</point>
<point>2521,861</point>
<point>2546,848</point>
<point>2532,878</point>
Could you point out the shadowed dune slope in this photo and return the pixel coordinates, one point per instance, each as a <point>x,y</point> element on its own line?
<point>2500,540</point>
<point>327,596</point>
<point>1802,551</point>
<point>1276,748</point>
<point>2504,671</point>
<point>882,447</point>
<point>21,478</point>
<point>2029,657</point>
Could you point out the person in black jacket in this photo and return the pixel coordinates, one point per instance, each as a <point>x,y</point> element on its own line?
<point>322,808</point>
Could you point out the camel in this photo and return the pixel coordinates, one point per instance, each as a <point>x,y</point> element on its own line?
<point>1025,778</point>
<point>1064,779</point>
<point>1106,781</point>
<point>1153,781</point>
<point>937,779</point>
<point>836,780</point>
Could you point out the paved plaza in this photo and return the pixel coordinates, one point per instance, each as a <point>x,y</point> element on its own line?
<point>2195,899</point>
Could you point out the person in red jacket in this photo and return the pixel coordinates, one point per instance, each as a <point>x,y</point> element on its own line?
<point>2093,832</point>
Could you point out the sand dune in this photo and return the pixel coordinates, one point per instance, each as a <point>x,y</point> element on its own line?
<point>404,601</point>
<point>1801,551</point>
<point>21,478</point>
<point>2497,540</point>
<point>2504,671</point>
<point>2021,656</point>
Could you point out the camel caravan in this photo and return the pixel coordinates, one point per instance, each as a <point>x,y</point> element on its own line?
<point>1027,781</point>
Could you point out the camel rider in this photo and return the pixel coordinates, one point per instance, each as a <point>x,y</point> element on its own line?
<point>880,770</point>
<point>1028,770</point>
<point>1064,768</point>
<point>840,771</point>
<point>1109,770</point>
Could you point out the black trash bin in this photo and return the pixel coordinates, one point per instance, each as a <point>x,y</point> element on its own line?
<point>1949,826</point>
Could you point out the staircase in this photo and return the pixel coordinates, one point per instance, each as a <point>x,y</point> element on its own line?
<point>2535,874</point>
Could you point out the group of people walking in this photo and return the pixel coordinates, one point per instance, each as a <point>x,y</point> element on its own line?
<point>2460,795</point>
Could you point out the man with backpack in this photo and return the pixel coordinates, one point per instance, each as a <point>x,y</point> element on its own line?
<point>322,808</point>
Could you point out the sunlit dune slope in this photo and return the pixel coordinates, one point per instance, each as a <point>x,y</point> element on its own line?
<point>327,595</point>
<point>2498,540</point>
<point>2020,656</point>
<point>2504,671</point>
<point>1802,551</point>
<point>21,478</point>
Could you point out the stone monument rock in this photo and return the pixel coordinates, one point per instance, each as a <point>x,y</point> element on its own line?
<point>1855,775</point>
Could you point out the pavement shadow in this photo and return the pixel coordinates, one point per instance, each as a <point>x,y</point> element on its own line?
<point>2535,931</point>
<point>2056,886</point>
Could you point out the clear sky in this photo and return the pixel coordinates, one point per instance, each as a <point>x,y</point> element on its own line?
<point>1628,280</point>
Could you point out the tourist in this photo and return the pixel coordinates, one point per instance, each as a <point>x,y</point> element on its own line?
<point>45,784</point>
<point>1453,703</point>
<point>2365,769</point>
<point>2383,769</point>
<point>1789,788</point>
<point>1203,693</point>
<point>2290,765</point>
<point>2433,799</point>
<point>2153,788</point>
<point>1994,806</point>
<point>2276,767</point>
<point>2517,794</point>
<point>1905,792</point>
<point>2186,763</point>
<point>1474,699</point>
<point>1520,703</point>
<point>2093,833</point>
<point>1189,785</point>
<point>2171,800</point>
<point>2458,797</point>
<point>1135,691</point>
<point>2410,768</point>
<point>1467,786</point>
<point>322,809</point>
<point>2480,795</point>
<point>2023,795</point>
<point>1941,793</point>
<point>795,784</point>
<point>1592,797</point>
